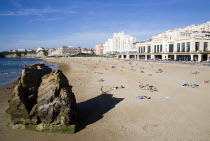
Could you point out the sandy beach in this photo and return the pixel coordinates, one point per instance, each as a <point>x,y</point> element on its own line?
<point>173,113</point>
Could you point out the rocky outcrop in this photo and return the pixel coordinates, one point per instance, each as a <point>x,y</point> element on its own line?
<point>42,97</point>
<point>56,103</point>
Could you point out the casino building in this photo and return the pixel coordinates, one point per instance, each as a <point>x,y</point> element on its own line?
<point>191,43</point>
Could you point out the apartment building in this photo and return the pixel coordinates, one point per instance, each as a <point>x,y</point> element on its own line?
<point>99,49</point>
<point>118,43</point>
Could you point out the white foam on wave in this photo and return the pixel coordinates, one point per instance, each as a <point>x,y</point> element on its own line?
<point>13,72</point>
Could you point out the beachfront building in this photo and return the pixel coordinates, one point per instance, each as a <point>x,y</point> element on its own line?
<point>118,43</point>
<point>29,50</point>
<point>66,51</point>
<point>13,50</point>
<point>50,51</point>
<point>99,49</point>
<point>88,51</point>
<point>55,53</point>
<point>40,49</point>
<point>191,43</point>
<point>21,50</point>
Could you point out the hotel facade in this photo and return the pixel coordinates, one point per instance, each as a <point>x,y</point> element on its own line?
<point>190,44</point>
<point>120,42</point>
<point>88,51</point>
<point>66,51</point>
<point>99,49</point>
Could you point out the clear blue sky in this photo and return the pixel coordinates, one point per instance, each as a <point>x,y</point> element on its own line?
<point>85,23</point>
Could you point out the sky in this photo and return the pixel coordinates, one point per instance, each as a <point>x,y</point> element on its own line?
<point>85,23</point>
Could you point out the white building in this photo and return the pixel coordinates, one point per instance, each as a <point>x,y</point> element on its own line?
<point>29,50</point>
<point>21,50</point>
<point>189,43</point>
<point>99,49</point>
<point>50,51</point>
<point>88,51</point>
<point>55,53</point>
<point>13,50</point>
<point>66,51</point>
<point>40,49</point>
<point>118,43</point>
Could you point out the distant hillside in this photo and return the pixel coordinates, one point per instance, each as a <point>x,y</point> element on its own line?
<point>34,54</point>
<point>1,55</point>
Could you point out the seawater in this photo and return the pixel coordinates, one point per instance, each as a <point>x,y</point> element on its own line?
<point>10,68</point>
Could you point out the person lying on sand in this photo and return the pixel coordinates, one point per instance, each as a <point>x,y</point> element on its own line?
<point>195,85</point>
<point>206,81</point>
<point>143,97</point>
<point>148,87</point>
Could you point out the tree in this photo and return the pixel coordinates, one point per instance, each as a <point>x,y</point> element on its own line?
<point>45,52</point>
<point>18,54</point>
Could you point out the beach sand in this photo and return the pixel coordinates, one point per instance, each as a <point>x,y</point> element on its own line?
<point>174,113</point>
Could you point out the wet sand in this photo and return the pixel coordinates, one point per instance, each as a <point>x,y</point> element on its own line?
<point>173,113</point>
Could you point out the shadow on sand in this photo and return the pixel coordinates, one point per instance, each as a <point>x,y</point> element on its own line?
<point>93,109</point>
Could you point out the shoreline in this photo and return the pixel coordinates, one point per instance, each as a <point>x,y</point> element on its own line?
<point>8,86</point>
<point>64,68</point>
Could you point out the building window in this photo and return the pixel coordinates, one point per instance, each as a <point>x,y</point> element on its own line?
<point>148,49</point>
<point>188,47</point>
<point>205,46</point>
<point>144,49</point>
<point>197,44</point>
<point>161,48</point>
<point>178,47</point>
<point>183,47</point>
<point>155,49</point>
<point>171,47</point>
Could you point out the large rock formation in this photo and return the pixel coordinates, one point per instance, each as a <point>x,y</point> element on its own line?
<point>42,97</point>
